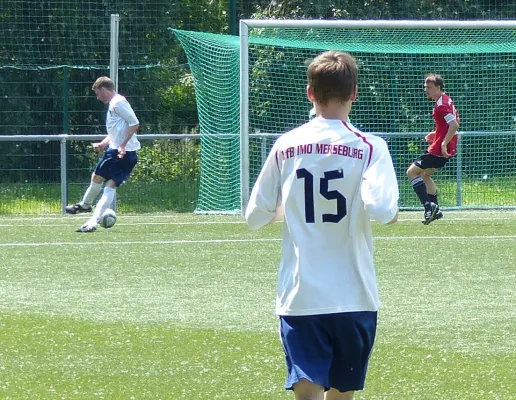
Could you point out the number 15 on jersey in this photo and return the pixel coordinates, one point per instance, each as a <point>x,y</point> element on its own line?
<point>330,195</point>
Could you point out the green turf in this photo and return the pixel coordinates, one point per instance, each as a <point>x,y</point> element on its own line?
<point>475,193</point>
<point>181,195</point>
<point>180,306</point>
<point>40,199</point>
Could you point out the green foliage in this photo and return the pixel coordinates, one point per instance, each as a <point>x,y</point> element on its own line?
<point>167,160</point>
<point>383,9</point>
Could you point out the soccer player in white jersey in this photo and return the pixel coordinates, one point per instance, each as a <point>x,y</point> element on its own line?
<point>327,180</point>
<point>119,159</point>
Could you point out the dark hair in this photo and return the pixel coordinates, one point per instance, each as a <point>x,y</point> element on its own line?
<point>332,75</point>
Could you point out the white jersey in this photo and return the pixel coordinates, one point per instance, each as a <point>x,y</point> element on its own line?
<point>330,179</point>
<point>121,116</point>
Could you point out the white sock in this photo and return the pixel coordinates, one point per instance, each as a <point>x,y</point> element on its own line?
<point>91,194</point>
<point>103,204</point>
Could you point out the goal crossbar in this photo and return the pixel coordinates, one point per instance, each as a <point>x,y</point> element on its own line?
<point>376,24</point>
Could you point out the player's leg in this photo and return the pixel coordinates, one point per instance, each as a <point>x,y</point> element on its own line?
<point>430,164</point>
<point>334,394</point>
<point>102,205</point>
<point>89,196</point>
<point>101,173</point>
<point>104,202</point>
<point>306,390</point>
<point>118,171</point>
<point>308,354</point>
<point>414,173</point>
<point>353,339</point>
<point>431,189</point>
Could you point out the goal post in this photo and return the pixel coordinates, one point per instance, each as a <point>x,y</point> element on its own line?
<point>252,88</point>
<point>429,46</point>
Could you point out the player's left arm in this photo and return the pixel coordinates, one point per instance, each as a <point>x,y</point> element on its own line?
<point>453,126</point>
<point>379,188</point>
<point>265,204</point>
<point>125,111</point>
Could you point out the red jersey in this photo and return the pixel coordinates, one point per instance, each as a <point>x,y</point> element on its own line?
<point>443,110</point>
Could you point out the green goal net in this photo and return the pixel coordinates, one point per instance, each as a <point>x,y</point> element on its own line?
<point>478,67</point>
<point>214,63</point>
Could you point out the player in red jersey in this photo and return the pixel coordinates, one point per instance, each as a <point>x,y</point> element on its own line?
<point>442,146</point>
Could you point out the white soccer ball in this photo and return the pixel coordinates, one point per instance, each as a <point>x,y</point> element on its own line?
<point>108,218</point>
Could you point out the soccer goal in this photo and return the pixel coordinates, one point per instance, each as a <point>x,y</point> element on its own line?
<point>477,60</point>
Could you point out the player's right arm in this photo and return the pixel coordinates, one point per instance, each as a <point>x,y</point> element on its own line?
<point>99,146</point>
<point>265,201</point>
<point>379,189</point>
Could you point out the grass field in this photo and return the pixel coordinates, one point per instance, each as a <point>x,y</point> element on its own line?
<point>180,306</point>
<point>181,196</point>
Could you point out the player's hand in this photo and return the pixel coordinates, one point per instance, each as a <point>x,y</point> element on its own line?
<point>99,146</point>
<point>430,137</point>
<point>121,151</point>
<point>444,150</point>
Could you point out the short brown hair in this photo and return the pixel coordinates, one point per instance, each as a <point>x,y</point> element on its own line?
<point>436,79</point>
<point>103,82</point>
<point>332,75</point>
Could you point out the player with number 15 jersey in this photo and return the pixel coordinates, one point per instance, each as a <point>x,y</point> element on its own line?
<point>327,180</point>
<point>330,178</point>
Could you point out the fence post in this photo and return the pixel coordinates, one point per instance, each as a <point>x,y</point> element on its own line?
<point>113,64</point>
<point>114,49</point>
<point>459,170</point>
<point>64,179</point>
<point>233,17</point>
<point>66,107</point>
<point>263,149</point>
<point>66,131</point>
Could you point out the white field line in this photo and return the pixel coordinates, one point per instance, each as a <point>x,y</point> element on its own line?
<point>25,222</point>
<point>220,219</point>
<point>219,241</point>
<point>136,223</point>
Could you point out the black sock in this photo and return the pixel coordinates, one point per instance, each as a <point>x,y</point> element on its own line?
<point>418,184</point>
<point>433,197</point>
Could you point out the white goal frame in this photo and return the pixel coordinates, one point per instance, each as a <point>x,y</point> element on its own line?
<point>245,24</point>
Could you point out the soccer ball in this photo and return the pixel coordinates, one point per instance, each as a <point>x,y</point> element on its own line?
<point>108,219</point>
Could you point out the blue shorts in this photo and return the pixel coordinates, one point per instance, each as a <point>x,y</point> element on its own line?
<point>330,350</point>
<point>110,167</point>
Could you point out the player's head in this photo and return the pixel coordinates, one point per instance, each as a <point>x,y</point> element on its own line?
<point>332,76</point>
<point>104,88</point>
<point>434,86</point>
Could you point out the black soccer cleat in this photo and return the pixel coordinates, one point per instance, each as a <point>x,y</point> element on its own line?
<point>438,215</point>
<point>430,212</point>
<point>77,209</point>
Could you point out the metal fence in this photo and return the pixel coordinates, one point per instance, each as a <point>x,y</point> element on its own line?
<point>481,176</point>
<point>42,173</point>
